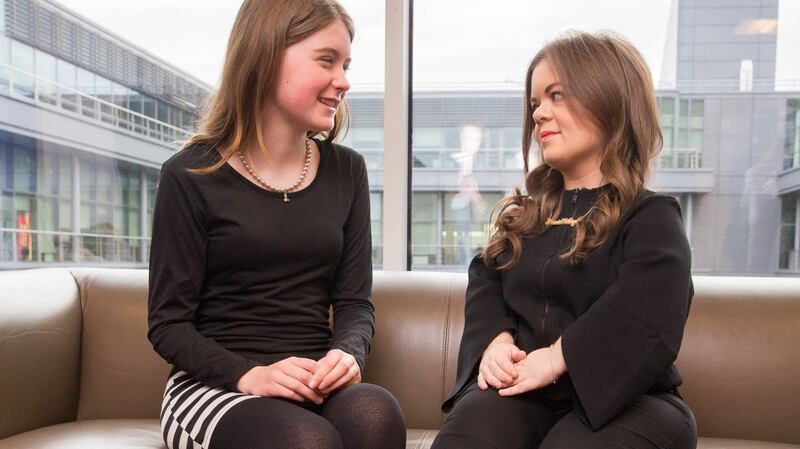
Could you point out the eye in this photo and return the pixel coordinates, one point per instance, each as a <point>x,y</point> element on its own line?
<point>557,95</point>
<point>534,106</point>
<point>327,60</point>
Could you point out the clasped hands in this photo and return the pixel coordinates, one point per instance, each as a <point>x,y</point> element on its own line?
<point>511,371</point>
<point>302,379</point>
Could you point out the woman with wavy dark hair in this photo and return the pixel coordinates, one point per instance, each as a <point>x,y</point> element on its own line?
<point>261,226</point>
<point>575,309</point>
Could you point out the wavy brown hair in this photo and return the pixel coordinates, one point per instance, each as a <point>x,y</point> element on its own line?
<point>605,81</point>
<point>263,29</point>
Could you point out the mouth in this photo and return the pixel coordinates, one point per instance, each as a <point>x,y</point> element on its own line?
<point>329,102</point>
<point>547,134</point>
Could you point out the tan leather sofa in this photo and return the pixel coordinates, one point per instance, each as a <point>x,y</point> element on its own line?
<point>77,371</point>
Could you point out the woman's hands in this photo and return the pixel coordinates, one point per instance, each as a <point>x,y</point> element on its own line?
<point>302,379</point>
<point>497,364</point>
<point>507,368</point>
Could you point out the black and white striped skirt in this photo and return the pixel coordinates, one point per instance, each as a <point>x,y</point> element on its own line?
<point>191,411</point>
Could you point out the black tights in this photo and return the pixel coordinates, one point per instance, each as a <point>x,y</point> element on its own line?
<point>359,416</point>
<point>486,420</point>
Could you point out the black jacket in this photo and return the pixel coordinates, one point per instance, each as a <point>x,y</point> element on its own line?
<point>620,313</point>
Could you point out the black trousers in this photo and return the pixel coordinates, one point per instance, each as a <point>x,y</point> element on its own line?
<point>486,420</point>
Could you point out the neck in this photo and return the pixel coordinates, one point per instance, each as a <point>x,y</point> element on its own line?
<point>588,180</point>
<point>283,143</point>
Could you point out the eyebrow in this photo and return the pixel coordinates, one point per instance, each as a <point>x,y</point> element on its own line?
<point>548,89</point>
<point>331,50</point>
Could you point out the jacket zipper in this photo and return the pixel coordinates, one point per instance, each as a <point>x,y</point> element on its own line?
<point>547,262</point>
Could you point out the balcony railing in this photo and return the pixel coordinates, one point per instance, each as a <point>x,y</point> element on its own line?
<point>25,86</point>
<point>685,158</point>
<point>20,247</point>
<point>510,159</point>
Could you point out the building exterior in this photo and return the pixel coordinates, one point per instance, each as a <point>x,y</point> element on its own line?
<point>86,119</point>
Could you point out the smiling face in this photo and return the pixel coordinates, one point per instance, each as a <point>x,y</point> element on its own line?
<point>570,144</point>
<point>312,81</point>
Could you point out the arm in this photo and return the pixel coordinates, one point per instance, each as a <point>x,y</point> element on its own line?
<point>177,271</point>
<point>486,316</point>
<point>617,349</point>
<point>353,311</point>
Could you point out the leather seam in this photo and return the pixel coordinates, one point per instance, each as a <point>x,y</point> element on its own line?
<point>446,339</point>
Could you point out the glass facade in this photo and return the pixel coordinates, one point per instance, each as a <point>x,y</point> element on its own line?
<point>64,206</point>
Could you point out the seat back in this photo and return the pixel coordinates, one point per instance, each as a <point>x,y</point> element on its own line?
<point>40,337</point>
<point>121,374</point>
<point>740,358</point>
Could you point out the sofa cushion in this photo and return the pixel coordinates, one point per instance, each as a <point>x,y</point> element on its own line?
<point>121,375</point>
<point>739,358</point>
<point>40,337</point>
<point>91,434</point>
<point>419,320</point>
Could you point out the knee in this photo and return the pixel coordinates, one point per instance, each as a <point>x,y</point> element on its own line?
<point>311,435</point>
<point>371,404</point>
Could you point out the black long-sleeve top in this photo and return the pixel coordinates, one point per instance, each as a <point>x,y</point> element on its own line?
<point>620,313</point>
<point>240,278</point>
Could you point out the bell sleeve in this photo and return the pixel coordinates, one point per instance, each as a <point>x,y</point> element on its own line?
<point>617,349</point>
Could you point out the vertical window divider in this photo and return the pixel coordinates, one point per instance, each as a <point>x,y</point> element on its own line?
<point>397,137</point>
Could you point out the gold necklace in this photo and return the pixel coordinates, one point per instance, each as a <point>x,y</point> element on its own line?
<point>268,186</point>
<point>572,222</point>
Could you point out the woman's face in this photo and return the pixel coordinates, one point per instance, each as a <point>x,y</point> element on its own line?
<point>569,143</point>
<point>312,80</point>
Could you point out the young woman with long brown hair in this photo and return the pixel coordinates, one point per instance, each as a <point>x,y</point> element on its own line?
<point>261,225</point>
<point>576,307</point>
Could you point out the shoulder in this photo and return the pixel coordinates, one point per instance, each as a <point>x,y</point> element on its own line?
<point>650,205</point>
<point>653,216</point>
<point>188,158</point>
<point>342,154</point>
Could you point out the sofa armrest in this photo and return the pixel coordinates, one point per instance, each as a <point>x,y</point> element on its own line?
<point>40,324</point>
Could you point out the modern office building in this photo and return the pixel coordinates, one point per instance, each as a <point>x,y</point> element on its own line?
<point>731,147</point>
<point>86,119</point>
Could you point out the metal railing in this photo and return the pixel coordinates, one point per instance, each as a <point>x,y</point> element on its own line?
<point>21,246</point>
<point>510,159</point>
<point>684,158</point>
<point>25,86</point>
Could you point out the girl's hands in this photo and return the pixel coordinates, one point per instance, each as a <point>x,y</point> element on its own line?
<point>289,378</point>
<point>334,371</point>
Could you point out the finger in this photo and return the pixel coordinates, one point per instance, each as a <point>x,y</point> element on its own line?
<point>507,365</point>
<point>341,369</point>
<point>298,373</point>
<point>499,372</point>
<point>518,355</point>
<point>304,363</point>
<point>299,388</point>
<point>351,375</point>
<point>324,366</point>
<point>482,382</point>
<point>513,390</point>
<point>491,380</point>
<point>279,391</point>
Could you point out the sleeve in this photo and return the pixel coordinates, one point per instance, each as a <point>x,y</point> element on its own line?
<point>616,351</point>
<point>177,271</point>
<point>353,311</point>
<point>486,315</point>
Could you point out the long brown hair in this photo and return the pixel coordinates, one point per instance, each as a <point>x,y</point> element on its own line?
<point>606,81</point>
<point>262,30</point>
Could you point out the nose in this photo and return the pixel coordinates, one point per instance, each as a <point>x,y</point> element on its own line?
<point>340,82</point>
<point>541,114</point>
